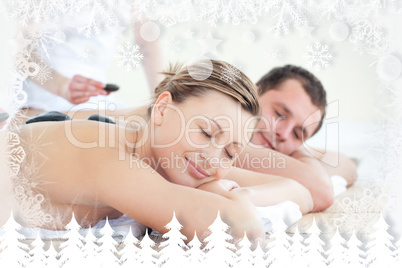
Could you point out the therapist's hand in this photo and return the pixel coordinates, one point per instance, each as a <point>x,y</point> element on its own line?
<point>81,88</point>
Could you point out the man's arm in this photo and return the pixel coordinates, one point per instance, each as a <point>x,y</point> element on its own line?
<point>300,167</point>
<point>336,164</point>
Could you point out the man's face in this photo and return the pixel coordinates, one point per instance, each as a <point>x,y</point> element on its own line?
<point>288,118</point>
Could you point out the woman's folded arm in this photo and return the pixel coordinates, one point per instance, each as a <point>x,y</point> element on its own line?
<point>141,193</point>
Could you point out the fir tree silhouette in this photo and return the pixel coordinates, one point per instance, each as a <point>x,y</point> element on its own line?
<point>129,254</point>
<point>72,255</point>
<point>52,256</point>
<point>245,254</point>
<point>195,255</point>
<point>146,255</point>
<point>90,250</point>
<point>298,250</point>
<point>172,253</point>
<point>259,257</point>
<point>39,255</point>
<point>354,255</point>
<point>379,252</point>
<point>278,254</point>
<point>398,253</point>
<point>13,251</point>
<point>314,246</point>
<point>337,252</point>
<point>219,249</point>
<point>107,250</point>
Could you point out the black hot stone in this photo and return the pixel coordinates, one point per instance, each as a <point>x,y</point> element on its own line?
<point>48,116</point>
<point>111,87</point>
<point>101,118</point>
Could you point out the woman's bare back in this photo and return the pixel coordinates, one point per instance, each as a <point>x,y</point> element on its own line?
<point>85,167</point>
<point>56,167</point>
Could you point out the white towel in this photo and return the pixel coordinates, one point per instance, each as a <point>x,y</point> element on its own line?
<point>339,184</point>
<point>274,216</point>
<point>289,212</point>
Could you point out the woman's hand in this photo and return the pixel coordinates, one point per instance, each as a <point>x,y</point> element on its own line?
<point>227,188</point>
<point>220,187</point>
<point>241,201</point>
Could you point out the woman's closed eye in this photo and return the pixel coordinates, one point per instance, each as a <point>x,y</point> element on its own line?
<point>228,154</point>
<point>206,134</point>
<point>281,116</point>
<point>296,134</point>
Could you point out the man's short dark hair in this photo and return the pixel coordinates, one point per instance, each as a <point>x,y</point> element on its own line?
<point>310,83</point>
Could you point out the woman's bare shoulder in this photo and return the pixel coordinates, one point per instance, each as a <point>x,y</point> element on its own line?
<point>84,134</point>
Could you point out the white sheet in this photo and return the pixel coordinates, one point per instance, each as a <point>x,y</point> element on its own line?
<point>120,226</point>
<point>271,216</point>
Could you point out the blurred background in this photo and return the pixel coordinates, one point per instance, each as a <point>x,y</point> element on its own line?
<point>349,76</point>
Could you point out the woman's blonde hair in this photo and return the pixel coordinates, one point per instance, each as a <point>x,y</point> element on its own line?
<point>196,79</point>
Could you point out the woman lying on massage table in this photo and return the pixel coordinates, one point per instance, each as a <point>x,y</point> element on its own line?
<point>195,130</point>
<point>293,104</point>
